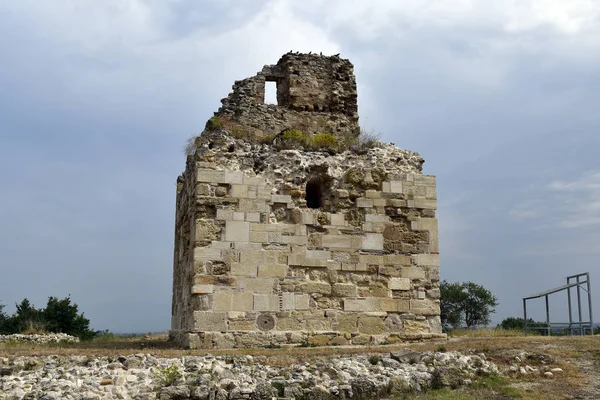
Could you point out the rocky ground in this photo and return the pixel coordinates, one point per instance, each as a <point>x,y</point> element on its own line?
<point>464,368</point>
<point>144,376</point>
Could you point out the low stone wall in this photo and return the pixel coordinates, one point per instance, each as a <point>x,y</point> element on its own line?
<point>39,339</point>
<point>143,376</point>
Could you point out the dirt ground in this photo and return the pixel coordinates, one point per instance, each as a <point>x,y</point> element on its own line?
<point>577,356</point>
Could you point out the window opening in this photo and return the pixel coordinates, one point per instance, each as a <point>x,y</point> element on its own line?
<point>314,194</point>
<point>270,92</point>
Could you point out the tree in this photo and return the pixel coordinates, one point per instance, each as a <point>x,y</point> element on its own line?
<point>466,303</point>
<point>518,324</point>
<point>452,297</point>
<point>59,316</point>
<point>62,316</point>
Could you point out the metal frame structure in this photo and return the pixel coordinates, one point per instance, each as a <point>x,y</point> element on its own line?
<point>571,326</point>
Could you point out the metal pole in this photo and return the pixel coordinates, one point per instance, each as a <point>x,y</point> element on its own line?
<point>589,290</point>
<point>547,316</point>
<point>525,316</point>
<point>570,310</point>
<point>579,305</point>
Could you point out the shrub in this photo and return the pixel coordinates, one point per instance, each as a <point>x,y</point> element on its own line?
<point>369,140</point>
<point>290,139</point>
<point>168,375</point>
<point>59,316</point>
<point>213,124</point>
<point>374,359</point>
<point>191,145</point>
<point>324,141</point>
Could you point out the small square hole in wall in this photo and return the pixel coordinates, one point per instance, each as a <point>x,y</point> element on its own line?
<point>270,92</point>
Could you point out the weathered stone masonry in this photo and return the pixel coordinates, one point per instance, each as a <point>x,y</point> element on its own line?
<point>292,246</point>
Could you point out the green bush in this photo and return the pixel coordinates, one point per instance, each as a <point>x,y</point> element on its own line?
<point>168,375</point>
<point>213,124</point>
<point>59,316</point>
<point>291,139</point>
<point>324,141</point>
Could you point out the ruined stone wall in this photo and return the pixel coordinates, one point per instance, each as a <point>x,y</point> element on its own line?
<point>280,246</point>
<point>256,266</point>
<point>315,94</point>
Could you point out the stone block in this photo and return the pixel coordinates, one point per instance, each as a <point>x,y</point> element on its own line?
<point>265,302</point>
<point>371,325</point>
<point>425,307</point>
<point>425,204</point>
<point>380,202</point>
<point>242,324</point>
<point>241,301</point>
<point>386,187</point>
<point>239,216</point>
<point>281,198</point>
<point>259,237</point>
<point>272,270</point>
<point>288,302</point>
<point>316,287</point>
<point>388,304</point>
<point>207,254</point>
<point>362,305</point>
<point>343,290</point>
<point>210,176</point>
<point>403,305</point>
<point>318,255</point>
<point>307,218</point>
<point>347,323</point>
<point>253,205</point>
<point>224,214</point>
<point>318,340</point>
<point>203,189</point>
<point>413,273</point>
<point>372,241</point>
<point>220,245</point>
<point>210,321</point>
<point>399,283</point>
<point>339,241</point>
<point>202,289</point>
<point>373,194</point>
<point>257,285</point>
<point>395,187</point>
<point>363,202</point>
<point>337,219</point>
<point>376,218</point>
<point>239,191</point>
<point>297,240</point>
<point>222,301</point>
<point>424,180</point>
<point>361,267</point>
<point>396,259</point>
<point>253,180</point>
<point>243,269</point>
<point>430,192</point>
<point>427,259</point>
<point>415,326</point>
<point>237,231</point>
<point>206,229</point>
<point>234,177</point>
<point>253,217</point>
<point>301,301</point>
<point>370,259</point>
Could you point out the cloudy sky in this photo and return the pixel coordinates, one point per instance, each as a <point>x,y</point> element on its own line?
<point>97,99</point>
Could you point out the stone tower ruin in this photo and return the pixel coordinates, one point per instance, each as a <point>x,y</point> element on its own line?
<point>292,228</point>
